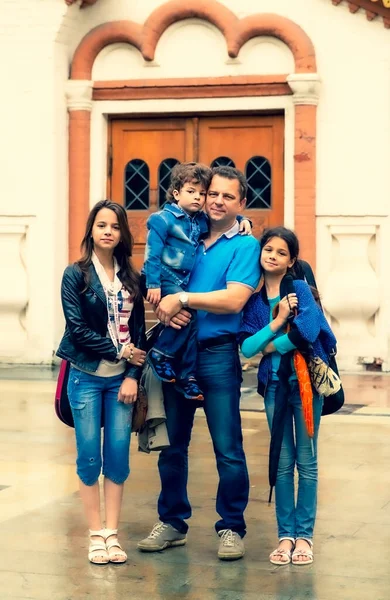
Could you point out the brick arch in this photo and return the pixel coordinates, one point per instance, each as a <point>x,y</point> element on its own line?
<point>236,32</point>
<point>100,37</point>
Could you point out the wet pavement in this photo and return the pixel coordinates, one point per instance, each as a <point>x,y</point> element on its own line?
<point>43,554</point>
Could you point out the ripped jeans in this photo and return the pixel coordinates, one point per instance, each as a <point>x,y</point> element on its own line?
<point>87,396</point>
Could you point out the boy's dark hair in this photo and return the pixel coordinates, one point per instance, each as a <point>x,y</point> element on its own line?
<point>232,173</point>
<point>188,172</point>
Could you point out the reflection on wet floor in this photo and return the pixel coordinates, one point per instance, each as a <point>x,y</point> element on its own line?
<point>43,553</point>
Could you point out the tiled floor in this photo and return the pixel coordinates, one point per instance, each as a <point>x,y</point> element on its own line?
<point>43,537</point>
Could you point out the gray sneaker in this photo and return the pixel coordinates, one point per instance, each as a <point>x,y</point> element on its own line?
<point>231,546</point>
<point>162,536</point>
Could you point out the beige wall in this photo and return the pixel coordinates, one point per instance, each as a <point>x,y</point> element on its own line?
<point>353,150</point>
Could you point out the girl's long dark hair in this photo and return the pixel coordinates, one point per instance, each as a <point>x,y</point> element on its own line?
<point>123,251</point>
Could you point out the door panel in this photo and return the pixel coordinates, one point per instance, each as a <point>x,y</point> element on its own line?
<point>145,150</point>
<point>139,149</point>
<point>255,146</point>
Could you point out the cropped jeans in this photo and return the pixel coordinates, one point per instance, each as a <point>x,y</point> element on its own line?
<point>88,396</point>
<point>219,375</point>
<point>296,519</point>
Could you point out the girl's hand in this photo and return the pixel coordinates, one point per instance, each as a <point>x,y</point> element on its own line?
<point>287,306</point>
<point>153,296</point>
<point>128,391</point>
<point>245,227</point>
<point>134,356</point>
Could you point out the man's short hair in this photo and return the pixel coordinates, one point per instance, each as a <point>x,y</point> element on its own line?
<point>232,173</point>
<point>188,172</point>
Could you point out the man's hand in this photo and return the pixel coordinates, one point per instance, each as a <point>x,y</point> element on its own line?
<point>128,391</point>
<point>245,227</point>
<point>153,296</point>
<point>168,308</point>
<point>180,320</point>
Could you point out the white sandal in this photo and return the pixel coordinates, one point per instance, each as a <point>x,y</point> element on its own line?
<point>97,549</point>
<point>308,554</point>
<point>115,551</point>
<point>281,553</point>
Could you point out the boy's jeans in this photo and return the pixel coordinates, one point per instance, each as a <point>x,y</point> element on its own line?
<point>180,344</point>
<point>296,520</point>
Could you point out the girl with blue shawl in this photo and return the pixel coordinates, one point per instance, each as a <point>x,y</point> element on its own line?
<point>279,319</point>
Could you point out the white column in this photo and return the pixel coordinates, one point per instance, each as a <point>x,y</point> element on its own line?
<point>79,94</point>
<point>14,288</point>
<point>305,87</point>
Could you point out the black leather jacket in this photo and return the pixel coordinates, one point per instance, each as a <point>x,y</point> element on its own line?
<point>85,342</point>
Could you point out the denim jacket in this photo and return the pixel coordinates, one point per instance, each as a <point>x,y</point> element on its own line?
<point>170,247</point>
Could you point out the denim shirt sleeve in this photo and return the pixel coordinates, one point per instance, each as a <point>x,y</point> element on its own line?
<point>155,242</point>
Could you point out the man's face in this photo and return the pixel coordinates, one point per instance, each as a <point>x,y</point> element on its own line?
<point>223,202</point>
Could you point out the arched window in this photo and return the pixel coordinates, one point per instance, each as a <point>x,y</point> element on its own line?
<point>222,161</point>
<point>258,175</point>
<point>164,177</point>
<point>136,185</point>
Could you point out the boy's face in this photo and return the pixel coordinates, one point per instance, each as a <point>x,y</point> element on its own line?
<point>191,197</point>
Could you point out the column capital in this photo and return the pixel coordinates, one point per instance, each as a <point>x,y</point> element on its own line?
<point>305,87</point>
<point>79,94</point>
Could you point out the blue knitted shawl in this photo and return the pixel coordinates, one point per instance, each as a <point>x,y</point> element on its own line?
<point>309,328</point>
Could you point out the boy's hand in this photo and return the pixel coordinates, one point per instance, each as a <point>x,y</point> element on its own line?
<point>154,296</point>
<point>245,227</point>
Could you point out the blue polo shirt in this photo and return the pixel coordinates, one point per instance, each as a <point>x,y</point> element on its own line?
<point>233,258</point>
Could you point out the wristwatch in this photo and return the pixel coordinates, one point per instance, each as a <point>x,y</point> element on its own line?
<point>183,299</point>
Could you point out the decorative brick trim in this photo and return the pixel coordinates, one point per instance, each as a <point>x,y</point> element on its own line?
<point>372,8</point>
<point>285,30</point>
<point>100,37</point>
<point>305,180</point>
<point>200,87</point>
<point>236,31</point>
<point>79,170</point>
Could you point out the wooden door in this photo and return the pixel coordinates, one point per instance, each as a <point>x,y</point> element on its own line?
<point>143,152</point>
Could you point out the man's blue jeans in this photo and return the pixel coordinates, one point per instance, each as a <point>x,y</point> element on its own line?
<point>296,520</point>
<point>219,375</point>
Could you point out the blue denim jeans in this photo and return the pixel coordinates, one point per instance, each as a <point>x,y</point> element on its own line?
<point>219,375</point>
<point>296,519</point>
<point>180,344</point>
<point>87,396</point>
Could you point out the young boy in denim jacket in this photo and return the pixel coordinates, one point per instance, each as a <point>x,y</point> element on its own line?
<point>173,237</point>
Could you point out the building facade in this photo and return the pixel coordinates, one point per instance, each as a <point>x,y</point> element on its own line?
<point>103,97</point>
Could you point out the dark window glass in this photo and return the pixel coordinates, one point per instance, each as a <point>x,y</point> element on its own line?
<point>136,185</point>
<point>164,177</point>
<point>258,175</point>
<point>222,161</point>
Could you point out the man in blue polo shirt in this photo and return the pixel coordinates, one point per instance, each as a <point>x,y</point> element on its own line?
<point>224,277</point>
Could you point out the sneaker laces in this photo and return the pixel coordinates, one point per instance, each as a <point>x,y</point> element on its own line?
<point>228,537</point>
<point>157,529</point>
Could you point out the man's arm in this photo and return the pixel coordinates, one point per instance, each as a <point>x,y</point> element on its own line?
<point>221,302</point>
